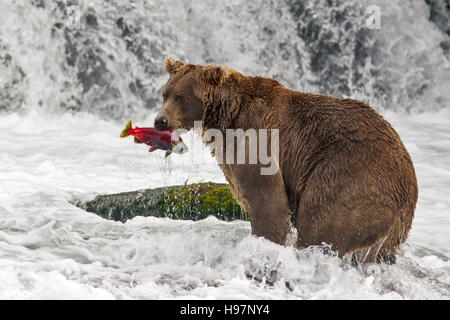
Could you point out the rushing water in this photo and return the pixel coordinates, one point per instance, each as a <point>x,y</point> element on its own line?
<point>52,249</point>
<point>65,81</point>
<point>106,57</point>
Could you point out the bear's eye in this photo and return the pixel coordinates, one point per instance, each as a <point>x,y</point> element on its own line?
<point>179,98</point>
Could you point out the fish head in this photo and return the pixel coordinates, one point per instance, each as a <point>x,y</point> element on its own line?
<point>179,147</point>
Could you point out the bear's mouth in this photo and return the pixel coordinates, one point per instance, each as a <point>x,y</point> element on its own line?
<point>181,130</point>
<point>178,126</point>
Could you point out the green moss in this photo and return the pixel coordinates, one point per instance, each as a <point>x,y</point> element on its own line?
<point>199,200</point>
<point>189,202</point>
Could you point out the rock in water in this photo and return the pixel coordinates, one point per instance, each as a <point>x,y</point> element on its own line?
<point>188,202</point>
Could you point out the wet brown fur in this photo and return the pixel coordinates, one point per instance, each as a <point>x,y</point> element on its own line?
<point>344,175</point>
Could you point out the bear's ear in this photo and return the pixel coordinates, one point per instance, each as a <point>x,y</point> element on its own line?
<point>172,65</point>
<point>215,75</point>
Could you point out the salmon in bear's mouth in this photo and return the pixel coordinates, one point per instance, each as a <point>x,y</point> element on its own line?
<point>168,139</point>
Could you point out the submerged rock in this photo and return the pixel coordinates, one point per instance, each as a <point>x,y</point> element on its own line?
<point>188,202</point>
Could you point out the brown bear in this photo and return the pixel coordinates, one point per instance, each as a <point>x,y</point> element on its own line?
<point>344,177</point>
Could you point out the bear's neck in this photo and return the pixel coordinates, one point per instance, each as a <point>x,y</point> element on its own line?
<point>224,105</point>
<point>221,107</point>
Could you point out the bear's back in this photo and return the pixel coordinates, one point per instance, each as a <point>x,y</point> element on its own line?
<point>343,138</point>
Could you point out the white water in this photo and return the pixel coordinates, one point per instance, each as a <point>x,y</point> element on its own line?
<point>110,62</point>
<point>48,155</point>
<point>51,249</point>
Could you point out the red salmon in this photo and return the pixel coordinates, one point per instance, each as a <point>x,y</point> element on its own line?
<point>167,139</point>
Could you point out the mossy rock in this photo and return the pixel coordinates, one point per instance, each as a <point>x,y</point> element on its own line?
<point>188,202</point>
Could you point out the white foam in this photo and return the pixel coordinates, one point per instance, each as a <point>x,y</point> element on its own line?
<point>52,249</point>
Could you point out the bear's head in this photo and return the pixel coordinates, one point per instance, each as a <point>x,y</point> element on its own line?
<point>185,93</point>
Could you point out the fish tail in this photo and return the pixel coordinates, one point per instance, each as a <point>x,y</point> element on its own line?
<point>124,132</point>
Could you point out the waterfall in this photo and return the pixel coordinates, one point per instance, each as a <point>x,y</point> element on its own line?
<point>106,57</point>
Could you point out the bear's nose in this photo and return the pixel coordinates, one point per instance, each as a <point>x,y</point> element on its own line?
<point>161,123</point>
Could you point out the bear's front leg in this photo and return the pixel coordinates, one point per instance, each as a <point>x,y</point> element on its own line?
<point>263,197</point>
